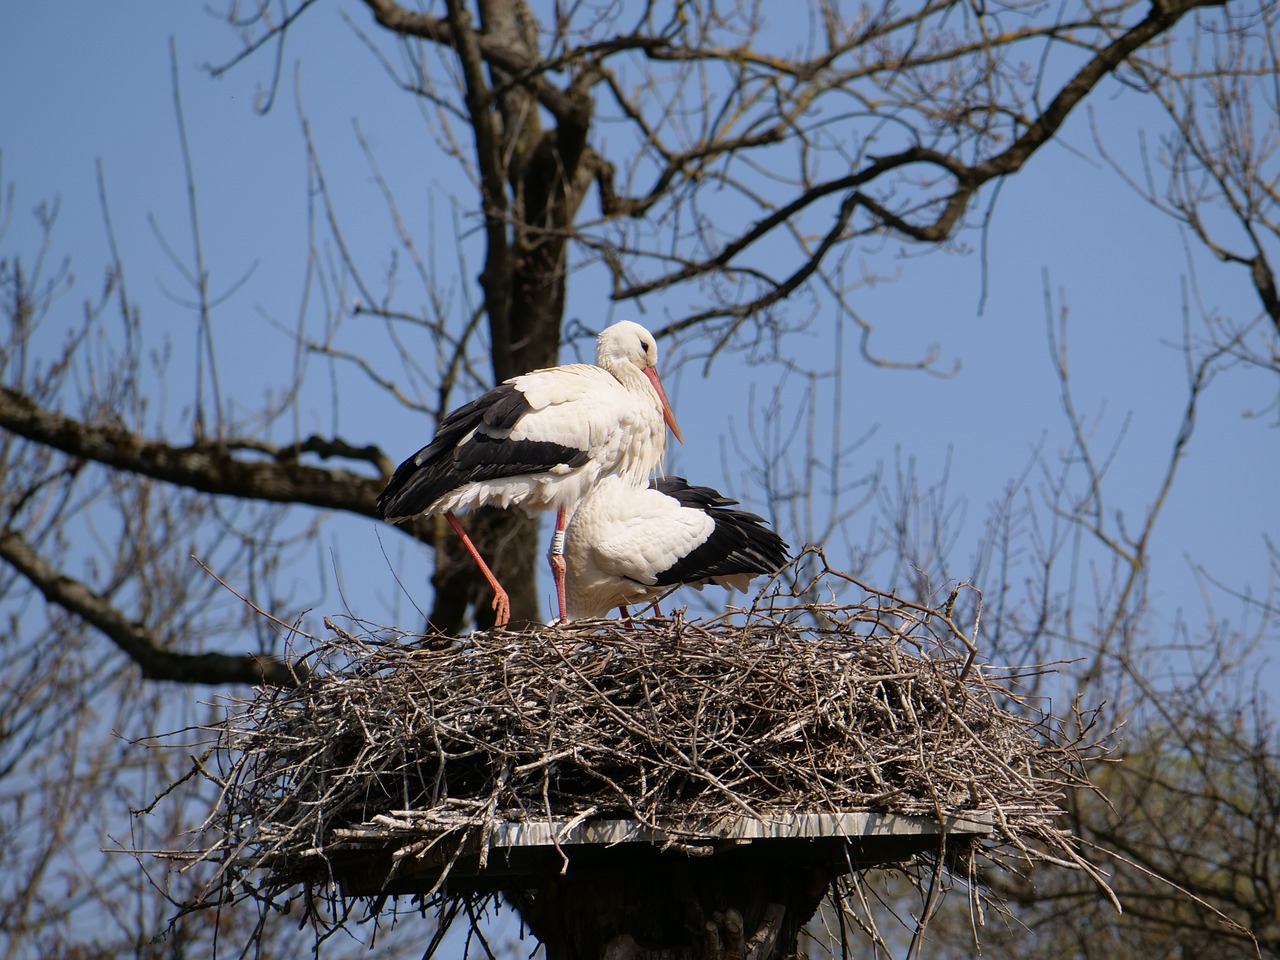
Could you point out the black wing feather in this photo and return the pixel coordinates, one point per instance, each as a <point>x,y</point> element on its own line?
<point>739,543</point>
<point>447,463</point>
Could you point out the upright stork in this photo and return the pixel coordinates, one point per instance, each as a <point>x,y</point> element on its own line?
<point>628,544</point>
<point>540,441</point>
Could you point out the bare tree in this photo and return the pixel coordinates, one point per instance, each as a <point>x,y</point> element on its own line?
<point>1186,819</point>
<point>747,161</point>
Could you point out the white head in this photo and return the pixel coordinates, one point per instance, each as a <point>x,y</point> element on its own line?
<point>626,342</point>
<point>629,343</point>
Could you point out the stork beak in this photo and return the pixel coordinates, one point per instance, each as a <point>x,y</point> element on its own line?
<point>667,415</point>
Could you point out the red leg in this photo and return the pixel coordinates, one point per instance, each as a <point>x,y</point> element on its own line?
<point>626,616</point>
<point>501,604</point>
<point>556,557</point>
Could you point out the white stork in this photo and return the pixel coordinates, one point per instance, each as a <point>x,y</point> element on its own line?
<point>540,441</point>
<point>628,544</point>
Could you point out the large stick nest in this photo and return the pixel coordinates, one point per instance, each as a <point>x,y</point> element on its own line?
<point>411,744</point>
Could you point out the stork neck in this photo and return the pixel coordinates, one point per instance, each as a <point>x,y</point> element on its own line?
<point>626,373</point>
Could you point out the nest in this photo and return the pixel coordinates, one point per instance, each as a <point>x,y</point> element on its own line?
<point>404,750</point>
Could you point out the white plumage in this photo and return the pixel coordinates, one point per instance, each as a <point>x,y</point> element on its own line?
<point>628,544</point>
<point>540,441</point>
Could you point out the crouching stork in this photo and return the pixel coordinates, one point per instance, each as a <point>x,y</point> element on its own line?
<point>628,544</point>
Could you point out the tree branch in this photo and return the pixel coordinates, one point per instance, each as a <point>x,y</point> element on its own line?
<point>495,278</point>
<point>133,638</point>
<point>562,105</point>
<point>1163,15</point>
<point>765,226</point>
<point>205,466</point>
<point>968,178</point>
<point>780,290</point>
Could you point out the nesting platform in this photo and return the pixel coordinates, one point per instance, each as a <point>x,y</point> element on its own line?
<point>523,851</point>
<point>640,775</point>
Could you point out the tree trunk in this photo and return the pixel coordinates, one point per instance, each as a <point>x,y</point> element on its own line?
<point>547,174</point>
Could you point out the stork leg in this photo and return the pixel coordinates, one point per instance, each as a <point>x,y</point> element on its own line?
<point>556,558</point>
<point>501,603</point>
<point>626,616</point>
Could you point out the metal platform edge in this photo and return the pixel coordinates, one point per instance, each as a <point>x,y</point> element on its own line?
<point>607,832</point>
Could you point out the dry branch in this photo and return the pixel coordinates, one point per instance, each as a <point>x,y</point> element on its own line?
<point>403,750</point>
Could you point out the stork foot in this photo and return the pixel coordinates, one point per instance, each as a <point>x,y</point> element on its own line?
<point>501,608</point>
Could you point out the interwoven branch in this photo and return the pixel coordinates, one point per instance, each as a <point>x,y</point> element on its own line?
<point>409,745</point>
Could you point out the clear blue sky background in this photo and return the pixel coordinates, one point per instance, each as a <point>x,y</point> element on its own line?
<point>91,81</point>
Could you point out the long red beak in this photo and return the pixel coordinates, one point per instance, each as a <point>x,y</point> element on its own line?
<point>667,415</point>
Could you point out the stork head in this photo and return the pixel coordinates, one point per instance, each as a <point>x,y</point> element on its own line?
<point>630,343</point>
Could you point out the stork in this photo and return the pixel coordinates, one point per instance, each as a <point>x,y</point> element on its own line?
<point>627,544</point>
<point>540,441</point>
